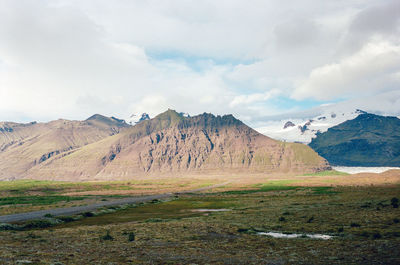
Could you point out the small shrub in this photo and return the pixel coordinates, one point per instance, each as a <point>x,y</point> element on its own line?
<point>131,237</point>
<point>382,204</point>
<point>366,205</point>
<point>310,219</point>
<point>394,202</point>
<point>282,219</point>
<point>38,224</point>
<point>242,230</point>
<point>66,219</point>
<point>396,220</point>
<point>154,220</point>
<point>340,229</point>
<point>376,235</point>
<point>48,215</point>
<point>365,234</point>
<point>286,213</point>
<point>107,236</point>
<point>355,225</point>
<point>88,214</point>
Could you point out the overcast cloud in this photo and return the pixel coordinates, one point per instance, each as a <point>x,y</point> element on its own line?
<point>254,58</point>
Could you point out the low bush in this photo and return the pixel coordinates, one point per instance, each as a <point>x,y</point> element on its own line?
<point>131,236</point>
<point>365,234</point>
<point>394,202</point>
<point>355,225</point>
<point>154,220</point>
<point>66,219</point>
<point>38,224</point>
<point>107,236</point>
<point>376,235</point>
<point>88,214</point>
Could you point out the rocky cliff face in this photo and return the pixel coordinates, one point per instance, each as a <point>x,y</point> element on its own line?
<point>174,144</point>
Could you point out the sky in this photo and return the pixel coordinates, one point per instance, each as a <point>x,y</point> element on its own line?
<point>253,59</point>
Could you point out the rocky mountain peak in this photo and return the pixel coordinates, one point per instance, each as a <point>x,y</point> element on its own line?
<point>97,118</point>
<point>288,124</point>
<point>137,118</point>
<point>211,121</point>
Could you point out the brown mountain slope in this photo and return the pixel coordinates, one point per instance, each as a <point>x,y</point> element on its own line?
<point>173,144</point>
<point>24,146</point>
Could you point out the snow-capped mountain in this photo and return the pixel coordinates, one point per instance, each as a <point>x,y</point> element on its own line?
<point>184,114</point>
<point>304,129</point>
<point>136,118</point>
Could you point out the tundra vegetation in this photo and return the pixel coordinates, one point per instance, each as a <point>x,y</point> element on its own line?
<point>224,225</point>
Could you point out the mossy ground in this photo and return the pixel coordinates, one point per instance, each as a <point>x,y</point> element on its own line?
<point>170,233</point>
<point>32,195</point>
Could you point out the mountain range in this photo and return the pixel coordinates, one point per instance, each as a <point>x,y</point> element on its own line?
<point>171,143</point>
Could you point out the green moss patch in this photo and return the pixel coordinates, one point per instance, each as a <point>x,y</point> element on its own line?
<point>37,200</point>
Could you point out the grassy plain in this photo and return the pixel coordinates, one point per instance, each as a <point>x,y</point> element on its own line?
<point>362,219</point>
<point>31,195</point>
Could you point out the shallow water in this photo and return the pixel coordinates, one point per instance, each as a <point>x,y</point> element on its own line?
<point>281,235</point>
<point>210,210</point>
<point>355,170</point>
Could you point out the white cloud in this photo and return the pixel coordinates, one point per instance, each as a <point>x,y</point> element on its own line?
<point>296,33</point>
<point>368,70</point>
<point>253,98</point>
<point>74,58</point>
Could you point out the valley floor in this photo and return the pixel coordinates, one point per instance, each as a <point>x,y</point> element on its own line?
<point>222,226</point>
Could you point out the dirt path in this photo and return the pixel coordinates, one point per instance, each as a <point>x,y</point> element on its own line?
<point>80,209</point>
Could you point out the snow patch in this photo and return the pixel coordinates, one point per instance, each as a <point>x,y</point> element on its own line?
<point>136,118</point>
<point>306,128</point>
<point>282,235</point>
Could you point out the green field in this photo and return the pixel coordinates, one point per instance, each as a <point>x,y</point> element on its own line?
<point>32,195</point>
<point>37,200</point>
<point>328,173</point>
